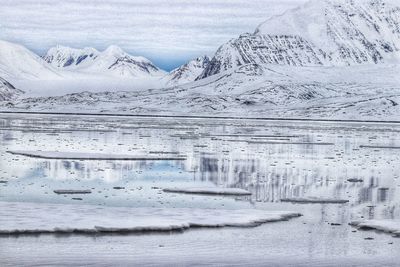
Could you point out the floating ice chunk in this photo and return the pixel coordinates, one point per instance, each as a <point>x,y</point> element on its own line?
<point>291,143</point>
<point>62,192</point>
<point>87,156</point>
<point>208,191</point>
<point>379,146</point>
<point>387,226</point>
<point>36,218</point>
<point>355,180</point>
<point>316,200</point>
<point>118,187</point>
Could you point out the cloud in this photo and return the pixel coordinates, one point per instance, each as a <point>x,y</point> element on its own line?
<point>159,29</point>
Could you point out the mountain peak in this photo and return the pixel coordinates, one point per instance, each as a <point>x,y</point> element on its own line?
<point>71,49</point>
<point>63,56</point>
<point>114,50</point>
<point>187,72</point>
<point>112,61</point>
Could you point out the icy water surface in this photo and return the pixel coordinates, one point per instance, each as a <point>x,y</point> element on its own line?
<point>274,160</point>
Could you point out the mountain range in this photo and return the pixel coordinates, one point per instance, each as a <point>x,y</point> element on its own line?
<point>327,58</point>
<point>112,61</point>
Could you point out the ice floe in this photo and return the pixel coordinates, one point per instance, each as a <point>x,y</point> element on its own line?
<point>88,156</point>
<point>387,226</point>
<point>208,191</point>
<point>63,192</point>
<point>355,180</point>
<point>380,147</point>
<point>38,218</point>
<point>316,200</point>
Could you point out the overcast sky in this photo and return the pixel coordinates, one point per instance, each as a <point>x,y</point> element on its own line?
<point>168,32</point>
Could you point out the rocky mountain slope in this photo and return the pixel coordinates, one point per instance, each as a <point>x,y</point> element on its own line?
<point>8,91</point>
<point>67,57</point>
<point>187,72</point>
<point>319,33</point>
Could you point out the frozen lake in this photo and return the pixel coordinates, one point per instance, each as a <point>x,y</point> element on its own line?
<point>333,173</point>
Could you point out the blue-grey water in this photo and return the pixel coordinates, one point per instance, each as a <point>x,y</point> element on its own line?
<point>271,159</point>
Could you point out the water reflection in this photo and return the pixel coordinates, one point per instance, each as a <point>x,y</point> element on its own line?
<point>273,160</point>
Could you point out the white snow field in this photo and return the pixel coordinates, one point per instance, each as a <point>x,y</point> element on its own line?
<point>34,218</point>
<point>17,62</point>
<point>209,191</point>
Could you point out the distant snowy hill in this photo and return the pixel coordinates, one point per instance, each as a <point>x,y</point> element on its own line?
<point>66,57</point>
<point>187,72</point>
<point>354,92</point>
<point>319,33</point>
<point>17,62</point>
<point>113,61</point>
<point>66,70</point>
<point>8,91</point>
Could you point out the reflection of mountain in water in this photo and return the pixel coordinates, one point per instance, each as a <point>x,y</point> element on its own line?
<point>272,182</point>
<point>224,153</point>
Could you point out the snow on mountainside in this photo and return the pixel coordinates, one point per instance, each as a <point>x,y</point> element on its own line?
<point>321,32</point>
<point>327,59</point>
<point>63,57</point>
<point>17,62</point>
<point>356,92</point>
<point>187,72</point>
<point>113,61</point>
<point>8,91</point>
<point>66,70</point>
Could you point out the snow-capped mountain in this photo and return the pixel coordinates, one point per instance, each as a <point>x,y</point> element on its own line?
<point>67,57</point>
<point>187,72</point>
<point>17,62</point>
<point>326,59</point>
<point>321,32</point>
<point>7,90</point>
<point>112,61</point>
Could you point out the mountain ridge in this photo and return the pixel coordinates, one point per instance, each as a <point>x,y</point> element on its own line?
<point>318,33</point>
<point>112,60</point>
<point>8,91</point>
<point>187,72</point>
